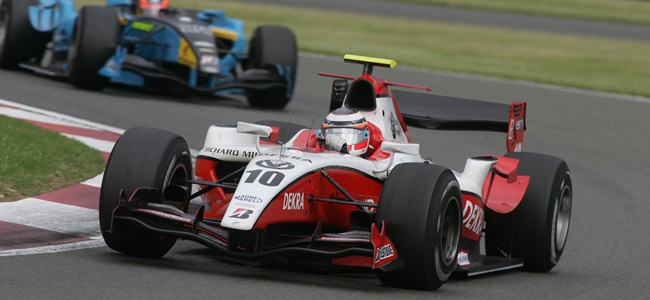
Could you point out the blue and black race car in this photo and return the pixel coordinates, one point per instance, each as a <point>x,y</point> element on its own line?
<point>150,44</point>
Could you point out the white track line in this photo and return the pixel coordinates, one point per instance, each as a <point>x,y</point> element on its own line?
<point>95,181</point>
<point>92,243</point>
<point>63,117</point>
<point>100,145</point>
<point>62,218</point>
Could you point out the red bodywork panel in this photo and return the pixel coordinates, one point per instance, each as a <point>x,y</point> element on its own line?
<point>473,216</point>
<point>292,204</point>
<point>503,190</point>
<point>206,169</point>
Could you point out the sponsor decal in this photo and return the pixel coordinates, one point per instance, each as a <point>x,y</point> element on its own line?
<point>293,201</point>
<point>230,152</point>
<point>463,259</point>
<point>142,26</point>
<point>341,239</point>
<point>384,252</point>
<point>204,44</point>
<point>520,123</point>
<point>209,60</point>
<point>392,125</point>
<point>190,28</point>
<point>166,215</point>
<point>241,213</point>
<point>247,205</point>
<point>290,157</point>
<point>248,198</point>
<point>473,217</point>
<point>275,164</point>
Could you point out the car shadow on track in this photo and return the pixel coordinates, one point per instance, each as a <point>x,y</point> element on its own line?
<point>195,259</point>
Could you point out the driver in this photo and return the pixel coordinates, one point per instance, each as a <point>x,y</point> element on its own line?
<point>150,7</point>
<point>346,130</point>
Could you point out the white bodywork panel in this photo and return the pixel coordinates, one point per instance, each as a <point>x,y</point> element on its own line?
<point>385,117</point>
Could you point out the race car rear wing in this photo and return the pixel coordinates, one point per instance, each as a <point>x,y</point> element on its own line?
<point>450,113</point>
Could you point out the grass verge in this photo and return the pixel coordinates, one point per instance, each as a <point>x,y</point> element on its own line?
<point>624,11</point>
<point>34,160</point>
<point>591,63</point>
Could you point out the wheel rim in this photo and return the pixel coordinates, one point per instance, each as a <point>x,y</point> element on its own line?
<point>4,20</point>
<point>450,232</point>
<point>563,213</point>
<point>171,191</point>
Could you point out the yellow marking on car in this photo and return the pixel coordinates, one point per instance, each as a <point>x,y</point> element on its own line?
<point>186,55</point>
<point>142,26</point>
<point>123,21</point>
<point>382,62</point>
<point>224,34</point>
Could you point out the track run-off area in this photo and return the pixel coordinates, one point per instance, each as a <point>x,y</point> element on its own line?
<point>604,139</point>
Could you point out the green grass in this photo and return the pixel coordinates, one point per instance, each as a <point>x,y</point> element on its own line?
<point>626,11</point>
<point>34,160</point>
<point>592,63</point>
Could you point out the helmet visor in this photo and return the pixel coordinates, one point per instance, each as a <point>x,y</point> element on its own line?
<point>352,136</point>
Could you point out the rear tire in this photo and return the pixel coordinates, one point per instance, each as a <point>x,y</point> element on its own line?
<point>18,39</point>
<point>420,205</point>
<point>272,45</point>
<point>142,157</point>
<point>93,42</point>
<point>536,231</point>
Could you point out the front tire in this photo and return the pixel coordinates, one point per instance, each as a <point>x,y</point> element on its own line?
<point>93,42</point>
<point>143,157</point>
<point>537,230</point>
<point>18,39</point>
<point>420,205</point>
<point>271,46</point>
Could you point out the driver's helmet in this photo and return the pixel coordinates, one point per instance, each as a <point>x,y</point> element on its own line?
<point>150,7</point>
<point>346,130</point>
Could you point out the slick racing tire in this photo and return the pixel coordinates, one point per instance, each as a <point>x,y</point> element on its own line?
<point>273,46</point>
<point>536,231</point>
<point>18,39</point>
<point>143,157</point>
<point>420,206</point>
<point>93,42</point>
<point>286,130</point>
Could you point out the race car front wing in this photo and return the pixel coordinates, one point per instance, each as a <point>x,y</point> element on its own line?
<point>167,220</point>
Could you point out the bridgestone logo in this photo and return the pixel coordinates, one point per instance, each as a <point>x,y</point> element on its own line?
<point>384,252</point>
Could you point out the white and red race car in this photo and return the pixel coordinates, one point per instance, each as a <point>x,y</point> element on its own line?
<point>272,190</point>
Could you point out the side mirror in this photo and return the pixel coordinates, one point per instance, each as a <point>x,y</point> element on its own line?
<point>393,147</point>
<point>261,130</point>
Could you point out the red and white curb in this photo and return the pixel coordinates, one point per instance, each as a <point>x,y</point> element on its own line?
<point>61,220</point>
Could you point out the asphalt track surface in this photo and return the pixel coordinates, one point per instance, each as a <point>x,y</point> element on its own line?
<point>475,17</point>
<point>604,138</point>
